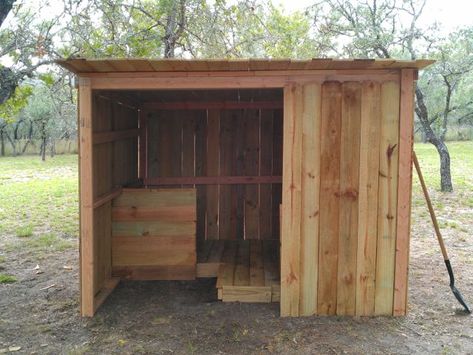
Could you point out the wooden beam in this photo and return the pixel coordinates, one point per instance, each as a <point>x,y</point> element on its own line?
<point>106,290</point>
<point>222,105</point>
<point>101,200</point>
<point>245,73</point>
<point>86,199</point>
<point>121,100</point>
<point>112,136</point>
<point>213,180</point>
<point>221,80</point>
<point>404,191</point>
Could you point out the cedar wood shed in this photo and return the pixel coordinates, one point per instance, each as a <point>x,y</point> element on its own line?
<point>287,180</point>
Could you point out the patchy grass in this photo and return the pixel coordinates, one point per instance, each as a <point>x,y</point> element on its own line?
<point>49,242</point>
<point>454,210</point>
<point>7,279</point>
<point>24,232</point>
<point>40,195</point>
<point>461,154</point>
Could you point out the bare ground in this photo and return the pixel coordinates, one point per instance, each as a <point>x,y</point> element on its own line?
<point>40,312</point>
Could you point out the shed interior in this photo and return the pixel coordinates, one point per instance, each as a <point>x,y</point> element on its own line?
<point>196,180</point>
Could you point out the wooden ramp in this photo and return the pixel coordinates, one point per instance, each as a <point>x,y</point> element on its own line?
<point>246,270</point>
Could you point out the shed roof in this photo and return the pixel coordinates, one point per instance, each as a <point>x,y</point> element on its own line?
<point>83,66</point>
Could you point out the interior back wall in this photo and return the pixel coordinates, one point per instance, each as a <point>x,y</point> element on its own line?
<point>222,142</point>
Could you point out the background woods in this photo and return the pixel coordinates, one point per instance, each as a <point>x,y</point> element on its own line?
<point>37,112</point>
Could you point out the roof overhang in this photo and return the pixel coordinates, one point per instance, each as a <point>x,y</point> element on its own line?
<point>81,66</point>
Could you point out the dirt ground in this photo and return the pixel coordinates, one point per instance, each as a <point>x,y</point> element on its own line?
<point>40,312</point>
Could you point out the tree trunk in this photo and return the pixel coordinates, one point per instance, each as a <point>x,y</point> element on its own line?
<point>43,149</point>
<point>2,144</point>
<point>12,143</point>
<point>5,7</point>
<point>25,146</point>
<point>52,147</point>
<point>422,113</point>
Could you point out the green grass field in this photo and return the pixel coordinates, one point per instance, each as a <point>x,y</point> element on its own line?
<point>39,200</point>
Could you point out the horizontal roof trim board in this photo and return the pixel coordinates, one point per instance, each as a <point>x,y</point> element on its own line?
<point>85,66</point>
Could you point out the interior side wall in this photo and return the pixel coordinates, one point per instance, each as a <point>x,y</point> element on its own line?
<point>114,165</point>
<point>225,143</point>
<point>339,213</point>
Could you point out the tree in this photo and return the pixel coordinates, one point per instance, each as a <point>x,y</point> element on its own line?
<point>9,111</point>
<point>388,29</point>
<point>27,42</point>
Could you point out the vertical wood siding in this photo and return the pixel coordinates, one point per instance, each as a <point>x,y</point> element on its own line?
<point>340,199</point>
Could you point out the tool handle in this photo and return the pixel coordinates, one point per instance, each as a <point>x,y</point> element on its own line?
<point>431,209</point>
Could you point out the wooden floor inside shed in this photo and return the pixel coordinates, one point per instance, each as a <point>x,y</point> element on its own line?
<point>246,270</point>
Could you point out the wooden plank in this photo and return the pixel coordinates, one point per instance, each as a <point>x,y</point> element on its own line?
<point>153,228</point>
<point>155,272</point>
<point>176,143</point>
<point>271,262</point>
<point>232,80</point>
<point>101,200</point>
<point>166,213</point>
<point>216,253</point>
<point>368,197</point>
<point>102,246</point>
<point>349,190</point>
<point>291,201</point>
<point>214,180</point>
<point>238,191</point>
<point>201,169</point>
<point>310,198</point>
<point>329,198</point>
<point>242,264</point>
<point>251,167</point>
<point>251,294</point>
<point>152,250</point>
<point>209,266</point>
<point>155,198</point>
<point>188,147</point>
<point>213,134</point>
<point>277,170</point>
<point>226,273</point>
<point>387,202</point>
<point>404,191</point>
<point>108,288</point>
<point>266,165</point>
<point>165,144</point>
<point>87,251</point>
<point>212,105</point>
<point>142,142</point>
<point>112,136</point>
<point>227,225</point>
<point>203,250</point>
<point>256,264</point>
<point>152,145</point>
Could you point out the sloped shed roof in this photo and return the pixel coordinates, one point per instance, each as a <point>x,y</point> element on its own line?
<point>82,66</point>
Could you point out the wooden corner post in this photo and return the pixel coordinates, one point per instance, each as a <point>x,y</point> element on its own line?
<point>86,199</point>
<point>406,132</point>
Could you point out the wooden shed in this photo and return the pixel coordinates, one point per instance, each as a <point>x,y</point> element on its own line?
<point>288,181</point>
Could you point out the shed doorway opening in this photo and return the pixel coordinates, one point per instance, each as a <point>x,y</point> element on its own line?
<point>200,186</point>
